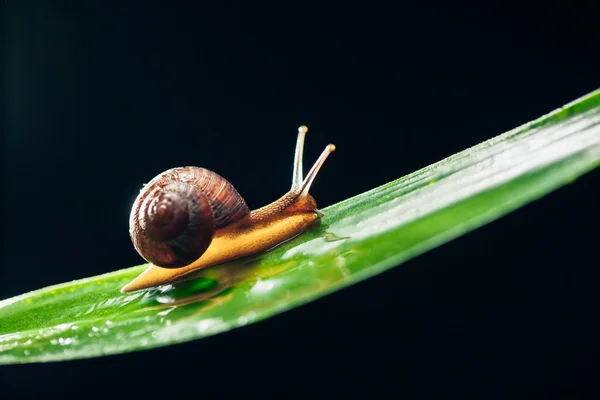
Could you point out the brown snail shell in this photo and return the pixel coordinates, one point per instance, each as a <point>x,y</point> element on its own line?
<point>176,214</point>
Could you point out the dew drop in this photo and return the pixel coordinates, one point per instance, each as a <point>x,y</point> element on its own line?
<point>164,299</point>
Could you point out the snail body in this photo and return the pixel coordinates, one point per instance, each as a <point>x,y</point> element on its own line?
<point>190,218</point>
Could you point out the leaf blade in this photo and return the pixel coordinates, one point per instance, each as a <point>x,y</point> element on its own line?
<point>360,237</point>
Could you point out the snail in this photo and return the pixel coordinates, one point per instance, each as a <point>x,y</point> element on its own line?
<point>189,218</point>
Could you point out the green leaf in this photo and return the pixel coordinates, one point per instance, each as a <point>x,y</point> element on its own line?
<point>358,238</point>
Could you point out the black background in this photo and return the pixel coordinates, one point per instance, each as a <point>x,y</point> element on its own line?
<point>100,97</point>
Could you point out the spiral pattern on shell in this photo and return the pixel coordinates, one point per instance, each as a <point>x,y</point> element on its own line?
<point>174,217</point>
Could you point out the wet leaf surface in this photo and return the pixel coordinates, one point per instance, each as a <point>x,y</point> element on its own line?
<point>358,238</point>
